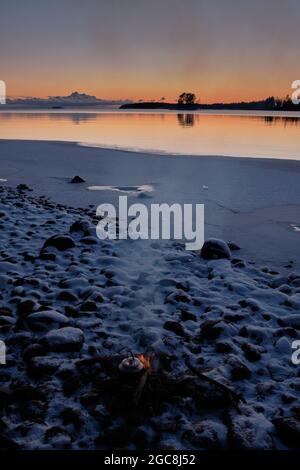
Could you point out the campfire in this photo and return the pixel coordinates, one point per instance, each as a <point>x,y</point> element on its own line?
<point>140,366</point>
<point>146,361</point>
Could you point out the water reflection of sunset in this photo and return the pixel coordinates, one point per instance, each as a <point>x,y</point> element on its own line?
<point>269,136</point>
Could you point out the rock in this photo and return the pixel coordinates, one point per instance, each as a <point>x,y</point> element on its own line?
<point>29,256</point>
<point>187,316</point>
<point>283,345</point>
<point>46,255</point>
<point>141,438</point>
<point>6,321</point>
<point>23,187</point>
<point>42,320</point>
<point>61,242</point>
<point>211,329</point>
<point>295,282</point>
<point>215,249</point>
<point>291,332</point>
<point>66,339</point>
<point>251,303</point>
<point>82,226</point>
<point>67,296</point>
<point>223,347</point>
<point>238,263</point>
<point>77,179</point>
<point>292,321</point>
<point>285,289</point>
<point>24,391</point>
<point>238,370</point>
<point>251,431</point>
<point>93,293</point>
<point>72,416</point>
<point>175,327</point>
<point>176,297</point>
<point>88,306</point>
<point>264,389</point>
<point>71,311</point>
<point>287,398</point>
<point>58,438</point>
<point>33,350</point>
<point>258,334</point>
<point>41,366</point>
<point>26,307</point>
<point>252,353</point>
<point>89,240</point>
<point>90,399</point>
<point>234,317</point>
<point>6,311</point>
<point>277,371</point>
<point>288,429</point>
<point>33,410</point>
<point>207,434</point>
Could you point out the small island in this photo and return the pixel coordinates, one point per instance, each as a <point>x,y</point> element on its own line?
<point>188,102</point>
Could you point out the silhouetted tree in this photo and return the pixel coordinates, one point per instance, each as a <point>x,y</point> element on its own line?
<point>186,98</point>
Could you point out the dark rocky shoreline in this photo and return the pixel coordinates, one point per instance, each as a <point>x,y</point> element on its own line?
<point>218,332</point>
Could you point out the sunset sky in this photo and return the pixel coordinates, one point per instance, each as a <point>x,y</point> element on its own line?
<point>117,49</point>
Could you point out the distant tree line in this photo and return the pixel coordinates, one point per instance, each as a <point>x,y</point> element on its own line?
<point>187,101</point>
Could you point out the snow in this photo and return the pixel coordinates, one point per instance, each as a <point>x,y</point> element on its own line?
<point>138,287</point>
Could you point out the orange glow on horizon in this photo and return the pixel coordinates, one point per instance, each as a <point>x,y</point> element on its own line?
<point>206,92</point>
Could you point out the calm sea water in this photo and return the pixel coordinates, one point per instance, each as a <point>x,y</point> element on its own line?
<point>254,135</point>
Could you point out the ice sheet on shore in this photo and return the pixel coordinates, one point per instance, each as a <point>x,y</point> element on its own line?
<point>251,201</point>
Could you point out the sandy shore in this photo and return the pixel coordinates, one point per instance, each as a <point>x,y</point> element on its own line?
<point>254,202</point>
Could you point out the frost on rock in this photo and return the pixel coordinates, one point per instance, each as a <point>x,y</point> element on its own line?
<point>45,319</point>
<point>214,248</point>
<point>64,339</point>
<point>249,432</point>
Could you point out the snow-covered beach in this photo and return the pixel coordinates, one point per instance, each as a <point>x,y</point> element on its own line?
<point>254,202</point>
<point>218,333</point>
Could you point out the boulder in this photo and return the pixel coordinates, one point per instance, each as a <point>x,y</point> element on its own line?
<point>66,339</point>
<point>67,296</point>
<point>42,320</point>
<point>214,248</point>
<point>26,307</point>
<point>61,242</point>
<point>251,431</point>
<point>288,429</point>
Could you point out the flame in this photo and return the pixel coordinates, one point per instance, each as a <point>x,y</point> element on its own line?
<point>145,360</point>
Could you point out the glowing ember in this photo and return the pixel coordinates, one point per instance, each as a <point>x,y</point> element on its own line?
<point>145,360</point>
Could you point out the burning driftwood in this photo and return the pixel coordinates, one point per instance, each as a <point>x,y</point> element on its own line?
<point>146,361</point>
<point>141,365</point>
<point>122,382</point>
